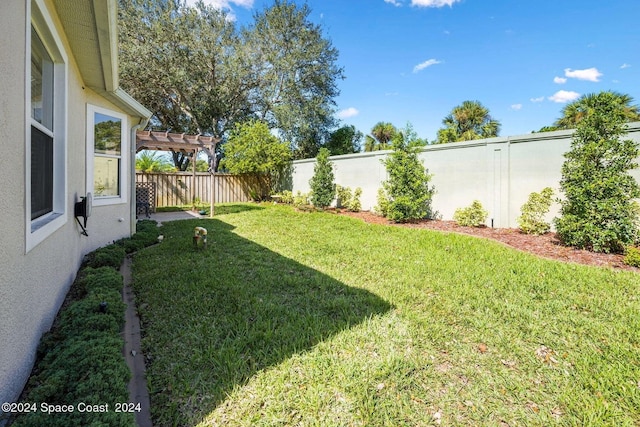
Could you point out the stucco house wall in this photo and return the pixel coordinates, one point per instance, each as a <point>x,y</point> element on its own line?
<point>35,275</point>
<point>499,172</point>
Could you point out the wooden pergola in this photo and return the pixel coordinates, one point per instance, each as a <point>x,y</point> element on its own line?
<point>180,142</point>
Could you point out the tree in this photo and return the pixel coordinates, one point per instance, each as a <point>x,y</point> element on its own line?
<point>181,63</point>
<point>468,121</point>
<point>345,140</point>
<point>598,212</point>
<point>574,112</point>
<point>381,135</point>
<point>151,161</point>
<point>253,149</point>
<point>295,70</point>
<point>323,187</point>
<point>407,194</point>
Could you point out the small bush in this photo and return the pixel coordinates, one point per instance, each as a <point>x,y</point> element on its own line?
<point>632,257</point>
<point>382,206</point>
<point>301,199</point>
<point>286,197</point>
<point>531,220</point>
<point>471,216</point>
<point>354,204</point>
<point>108,256</point>
<point>344,196</point>
<point>322,182</point>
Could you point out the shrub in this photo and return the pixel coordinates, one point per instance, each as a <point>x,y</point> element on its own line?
<point>354,204</point>
<point>531,220</point>
<point>407,189</point>
<point>598,212</point>
<point>301,199</point>
<point>80,359</point>
<point>322,183</point>
<point>343,196</point>
<point>471,216</point>
<point>286,197</point>
<point>108,256</point>
<point>382,205</point>
<point>632,257</point>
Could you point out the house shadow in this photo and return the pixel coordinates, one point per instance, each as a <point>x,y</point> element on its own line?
<point>235,308</point>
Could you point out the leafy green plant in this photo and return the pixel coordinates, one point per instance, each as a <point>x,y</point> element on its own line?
<point>322,182</point>
<point>286,197</point>
<point>471,216</point>
<point>382,203</point>
<point>632,256</point>
<point>531,220</point>
<point>407,189</point>
<point>598,212</point>
<point>354,204</point>
<point>253,149</point>
<point>301,199</point>
<point>344,196</point>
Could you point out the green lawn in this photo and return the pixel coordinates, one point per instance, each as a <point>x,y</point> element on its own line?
<point>315,319</point>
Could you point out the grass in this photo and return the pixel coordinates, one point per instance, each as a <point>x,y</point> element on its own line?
<point>316,319</point>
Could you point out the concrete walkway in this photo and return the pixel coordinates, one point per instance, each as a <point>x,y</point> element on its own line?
<point>138,391</point>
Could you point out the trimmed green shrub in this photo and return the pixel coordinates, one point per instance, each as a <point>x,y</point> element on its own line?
<point>407,190</point>
<point>108,256</point>
<point>471,216</point>
<point>632,257</point>
<point>598,212</point>
<point>301,199</point>
<point>322,183</point>
<point>382,203</point>
<point>343,196</point>
<point>354,204</point>
<point>286,197</point>
<point>531,220</point>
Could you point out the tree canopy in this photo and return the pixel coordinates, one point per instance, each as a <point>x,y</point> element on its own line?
<point>576,111</point>
<point>468,121</point>
<point>381,136</point>
<point>199,73</point>
<point>344,140</point>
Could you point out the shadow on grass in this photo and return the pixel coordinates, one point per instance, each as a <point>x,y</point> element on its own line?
<point>214,317</point>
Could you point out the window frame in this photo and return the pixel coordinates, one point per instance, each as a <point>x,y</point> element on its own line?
<point>121,198</point>
<point>38,229</point>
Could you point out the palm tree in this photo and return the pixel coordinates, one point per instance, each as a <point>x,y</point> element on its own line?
<point>573,113</point>
<point>381,136</point>
<point>152,161</point>
<point>468,121</point>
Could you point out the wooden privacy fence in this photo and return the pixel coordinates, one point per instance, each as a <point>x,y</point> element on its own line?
<point>175,189</point>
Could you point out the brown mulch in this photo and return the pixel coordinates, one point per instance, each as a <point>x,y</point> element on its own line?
<point>547,245</point>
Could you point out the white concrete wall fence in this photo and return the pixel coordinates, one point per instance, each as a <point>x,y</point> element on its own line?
<point>499,172</point>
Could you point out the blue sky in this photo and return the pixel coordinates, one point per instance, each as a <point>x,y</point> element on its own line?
<point>415,60</point>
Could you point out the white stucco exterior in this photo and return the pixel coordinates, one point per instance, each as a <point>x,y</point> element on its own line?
<point>35,274</point>
<point>499,172</point>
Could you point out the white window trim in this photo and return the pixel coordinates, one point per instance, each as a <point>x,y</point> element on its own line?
<point>39,229</point>
<point>124,155</point>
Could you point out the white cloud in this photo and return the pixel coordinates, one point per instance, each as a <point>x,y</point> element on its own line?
<point>393,2</point>
<point>589,74</point>
<point>625,65</point>
<point>425,64</point>
<point>516,107</point>
<point>538,99</point>
<point>559,80</point>
<point>348,112</point>
<point>433,3</point>
<point>563,96</point>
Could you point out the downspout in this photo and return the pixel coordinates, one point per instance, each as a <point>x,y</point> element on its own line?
<point>132,170</point>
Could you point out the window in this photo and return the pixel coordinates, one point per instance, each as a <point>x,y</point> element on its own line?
<point>46,111</point>
<point>106,143</point>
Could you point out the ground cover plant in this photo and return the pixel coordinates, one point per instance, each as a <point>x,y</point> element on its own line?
<point>293,318</point>
<point>79,361</point>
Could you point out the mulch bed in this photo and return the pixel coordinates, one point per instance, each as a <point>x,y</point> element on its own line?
<point>547,245</point>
